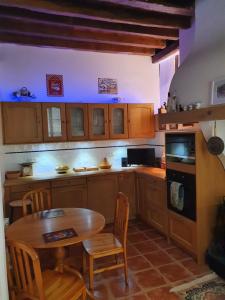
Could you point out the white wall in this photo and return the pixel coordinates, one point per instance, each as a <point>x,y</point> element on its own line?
<point>167,70</point>
<point>138,78</point>
<point>203,53</point>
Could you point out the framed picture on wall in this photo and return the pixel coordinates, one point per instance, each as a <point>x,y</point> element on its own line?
<point>218,91</point>
<point>54,85</point>
<point>107,86</point>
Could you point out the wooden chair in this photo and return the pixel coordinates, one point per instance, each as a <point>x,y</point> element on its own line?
<point>40,200</point>
<point>31,283</point>
<point>107,244</point>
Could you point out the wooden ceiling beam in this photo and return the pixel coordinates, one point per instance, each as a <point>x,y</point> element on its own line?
<point>73,33</point>
<point>102,26</point>
<point>103,13</point>
<point>79,45</point>
<point>166,52</point>
<point>176,7</point>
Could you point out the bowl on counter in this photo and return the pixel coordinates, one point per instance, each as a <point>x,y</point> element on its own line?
<point>62,169</point>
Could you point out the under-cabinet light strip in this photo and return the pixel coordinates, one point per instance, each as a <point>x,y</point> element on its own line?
<point>84,148</point>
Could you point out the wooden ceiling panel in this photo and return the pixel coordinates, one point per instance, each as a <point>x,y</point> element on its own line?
<point>80,45</point>
<point>177,7</point>
<point>72,33</point>
<point>121,26</point>
<point>95,12</point>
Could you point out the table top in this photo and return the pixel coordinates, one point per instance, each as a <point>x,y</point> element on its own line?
<point>30,229</point>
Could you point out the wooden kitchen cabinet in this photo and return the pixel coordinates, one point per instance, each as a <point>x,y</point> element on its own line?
<point>98,121</point>
<point>183,231</point>
<point>141,121</point>
<point>54,122</point>
<point>126,182</point>
<point>102,191</point>
<point>77,121</point>
<point>118,127</point>
<point>69,193</point>
<point>152,202</point>
<point>69,196</point>
<point>22,123</point>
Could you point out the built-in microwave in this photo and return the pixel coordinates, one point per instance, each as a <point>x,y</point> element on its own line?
<point>180,147</point>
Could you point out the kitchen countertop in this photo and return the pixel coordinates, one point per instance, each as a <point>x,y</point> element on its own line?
<point>156,172</point>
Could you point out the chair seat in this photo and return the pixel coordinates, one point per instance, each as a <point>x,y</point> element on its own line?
<point>103,243</point>
<point>63,286</point>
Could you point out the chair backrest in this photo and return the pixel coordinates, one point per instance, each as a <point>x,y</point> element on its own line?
<point>26,270</point>
<point>121,218</point>
<point>40,200</point>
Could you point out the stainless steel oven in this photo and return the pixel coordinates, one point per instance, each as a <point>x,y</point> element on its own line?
<point>181,193</point>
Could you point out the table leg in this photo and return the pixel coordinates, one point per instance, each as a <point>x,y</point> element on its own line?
<point>60,254</point>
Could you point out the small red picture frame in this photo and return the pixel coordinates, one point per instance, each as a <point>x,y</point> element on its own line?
<point>54,85</point>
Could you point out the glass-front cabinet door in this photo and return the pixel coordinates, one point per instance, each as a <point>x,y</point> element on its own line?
<point>98,121</point>
<point>54,122</point>
<point>77,122</point>
<point>118,121</point>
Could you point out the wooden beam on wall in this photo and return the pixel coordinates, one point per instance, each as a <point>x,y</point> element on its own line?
<point>166,52</point>
<point>216,112</point>
<point>80,45</point>
<point>77,9</point>
<point>72,33</point>
<point>167,6</point>
<point>103,26</point>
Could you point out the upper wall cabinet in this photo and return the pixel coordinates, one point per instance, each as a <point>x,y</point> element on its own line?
<point>118,121</point>
<point>54,122</point>
<point>22,123</point>
<point>141,121</point>
<point>98,121</point>
<point>77,121</point>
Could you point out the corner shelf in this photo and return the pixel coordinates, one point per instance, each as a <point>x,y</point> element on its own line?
<point>210,113</point>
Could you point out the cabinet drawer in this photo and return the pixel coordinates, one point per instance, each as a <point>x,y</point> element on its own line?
<point>69,182</point>
<point>30,186</point>
<point>183,231</point>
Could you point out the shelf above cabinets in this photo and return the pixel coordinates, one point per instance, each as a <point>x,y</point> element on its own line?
<point>25,123</point>
<point>210,113</point>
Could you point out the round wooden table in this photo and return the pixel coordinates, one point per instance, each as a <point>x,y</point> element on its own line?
<point>30,229</point>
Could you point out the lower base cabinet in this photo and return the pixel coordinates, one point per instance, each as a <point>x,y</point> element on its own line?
<point>69,196</point>
<point>183,231</point>
<point>152,207</point>
<point>126,182</point>
<point>102,191</point>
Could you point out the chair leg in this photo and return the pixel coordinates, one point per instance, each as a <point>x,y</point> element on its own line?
<point>84,294</point>
<point>84,262</point>
<point>91,273</point>
<point>125,267</point>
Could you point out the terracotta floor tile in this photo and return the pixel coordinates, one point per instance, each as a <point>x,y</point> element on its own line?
<point>149,278</point>
<point>101,292</point>
<point>163,243</point>
<point>162,294</point>
<point>132,251</point>
<point>120,289</point>
<point>137,237</point>
<point>144,226</point>
<point>136,297</point>
<point>177,253</point>
<point>153,234</point>
<point>146,246</point>
<point>174,272</point>
<point>158,258</point>
<point>194,268</point>
<point>138,263</point>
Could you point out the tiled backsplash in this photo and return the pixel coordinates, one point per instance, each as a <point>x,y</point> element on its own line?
<point>74,154</point>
